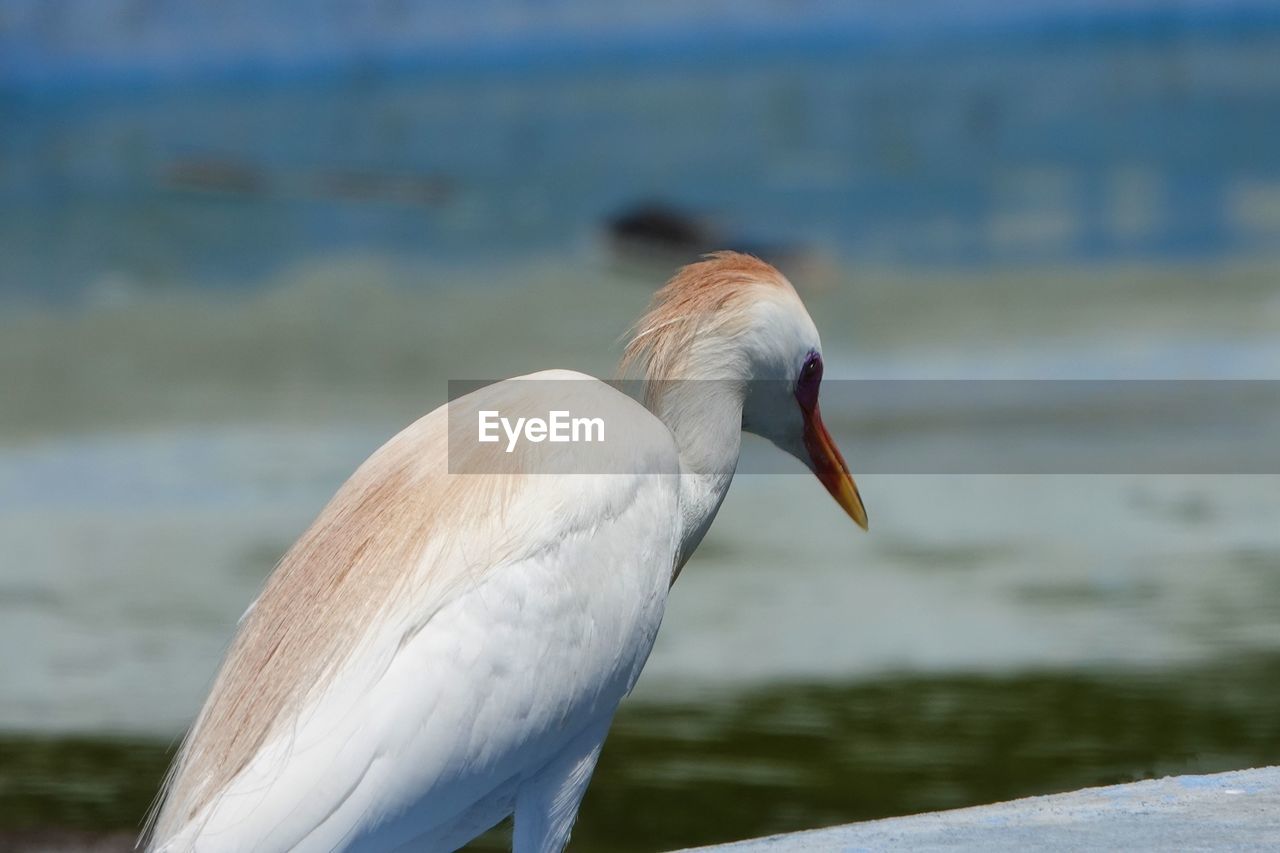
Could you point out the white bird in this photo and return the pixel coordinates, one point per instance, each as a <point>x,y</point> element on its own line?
<point>444,648</point>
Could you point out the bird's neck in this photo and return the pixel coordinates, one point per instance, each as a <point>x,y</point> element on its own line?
<point>706,419</point>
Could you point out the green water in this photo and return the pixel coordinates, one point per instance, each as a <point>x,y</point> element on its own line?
<point>720,767</point>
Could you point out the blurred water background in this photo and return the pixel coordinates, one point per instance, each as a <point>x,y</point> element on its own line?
<point>242,247</point>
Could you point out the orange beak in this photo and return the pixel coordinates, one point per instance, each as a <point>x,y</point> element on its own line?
<point>830,467</point>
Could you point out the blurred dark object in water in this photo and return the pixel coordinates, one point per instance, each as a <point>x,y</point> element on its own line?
<point>656,234</point>
<point>653,228</point>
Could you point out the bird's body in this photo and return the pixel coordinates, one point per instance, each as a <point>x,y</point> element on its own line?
<point>447,645</point>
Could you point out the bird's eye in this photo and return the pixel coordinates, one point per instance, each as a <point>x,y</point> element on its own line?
<point>811,373</point>
<point>808,381</point>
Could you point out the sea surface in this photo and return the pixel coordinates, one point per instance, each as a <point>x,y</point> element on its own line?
<point>188,372</point>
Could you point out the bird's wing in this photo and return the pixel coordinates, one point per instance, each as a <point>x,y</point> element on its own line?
<point>435,634</point>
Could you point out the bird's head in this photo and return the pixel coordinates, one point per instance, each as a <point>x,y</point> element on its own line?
<point>733,319</point>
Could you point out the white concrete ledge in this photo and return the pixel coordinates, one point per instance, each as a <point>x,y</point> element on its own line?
<point>1225,811</point>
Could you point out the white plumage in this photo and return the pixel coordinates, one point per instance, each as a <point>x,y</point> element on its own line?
<point>443,649</point>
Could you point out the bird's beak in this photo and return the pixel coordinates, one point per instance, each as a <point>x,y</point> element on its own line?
<point>830,467</point>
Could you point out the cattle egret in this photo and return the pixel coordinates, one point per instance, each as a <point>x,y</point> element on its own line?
<point>442,649</point>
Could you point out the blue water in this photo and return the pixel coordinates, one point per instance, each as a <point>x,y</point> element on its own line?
<point>1141,146</point>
